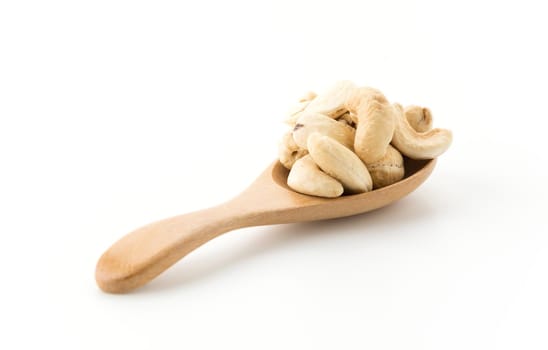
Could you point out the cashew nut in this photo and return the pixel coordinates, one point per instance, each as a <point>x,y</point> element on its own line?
<point>309,96</point>
<point>339,162</point>
<point>426,145</point>
<point>305,177</point>
<point>348,119</point>
<point>420,118</point>
<point>353,138</point>
<point>315,122</point>
<point>294,112</point>
<point>387,170</point>
<point>363,95</point>
<point>288,151</point>
<point>375,125</point>
<point>332,102</point>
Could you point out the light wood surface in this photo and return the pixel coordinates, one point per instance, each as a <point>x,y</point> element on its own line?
<point>143,254</point>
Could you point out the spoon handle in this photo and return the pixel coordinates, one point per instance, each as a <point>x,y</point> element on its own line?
<point>146,252</point>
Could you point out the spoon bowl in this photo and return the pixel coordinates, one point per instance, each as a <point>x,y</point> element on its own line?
<point>146,252</point>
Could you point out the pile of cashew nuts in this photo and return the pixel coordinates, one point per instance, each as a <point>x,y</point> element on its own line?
<point>351,140</point>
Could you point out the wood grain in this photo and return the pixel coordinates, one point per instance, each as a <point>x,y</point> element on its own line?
<point>146,252</point>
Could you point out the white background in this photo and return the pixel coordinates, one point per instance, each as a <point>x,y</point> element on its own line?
<point>117,113</point>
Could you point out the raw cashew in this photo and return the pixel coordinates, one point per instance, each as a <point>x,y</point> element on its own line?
<point>339,162</point>
<point>294,112</point>
<point>348,119</point>
<point>288,151</point>
<point>363,95</point>
<point>353,138</point>
<point>309,96</point>
<point>375,125</point>
<point>426,145</point>
<point>387,170</point>
<point>305,177</point>
<point>420,118</point>
<point>315,122</point>
<point>332,102</point>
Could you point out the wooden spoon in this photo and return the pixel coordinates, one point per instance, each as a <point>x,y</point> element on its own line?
<point>145,253</point>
